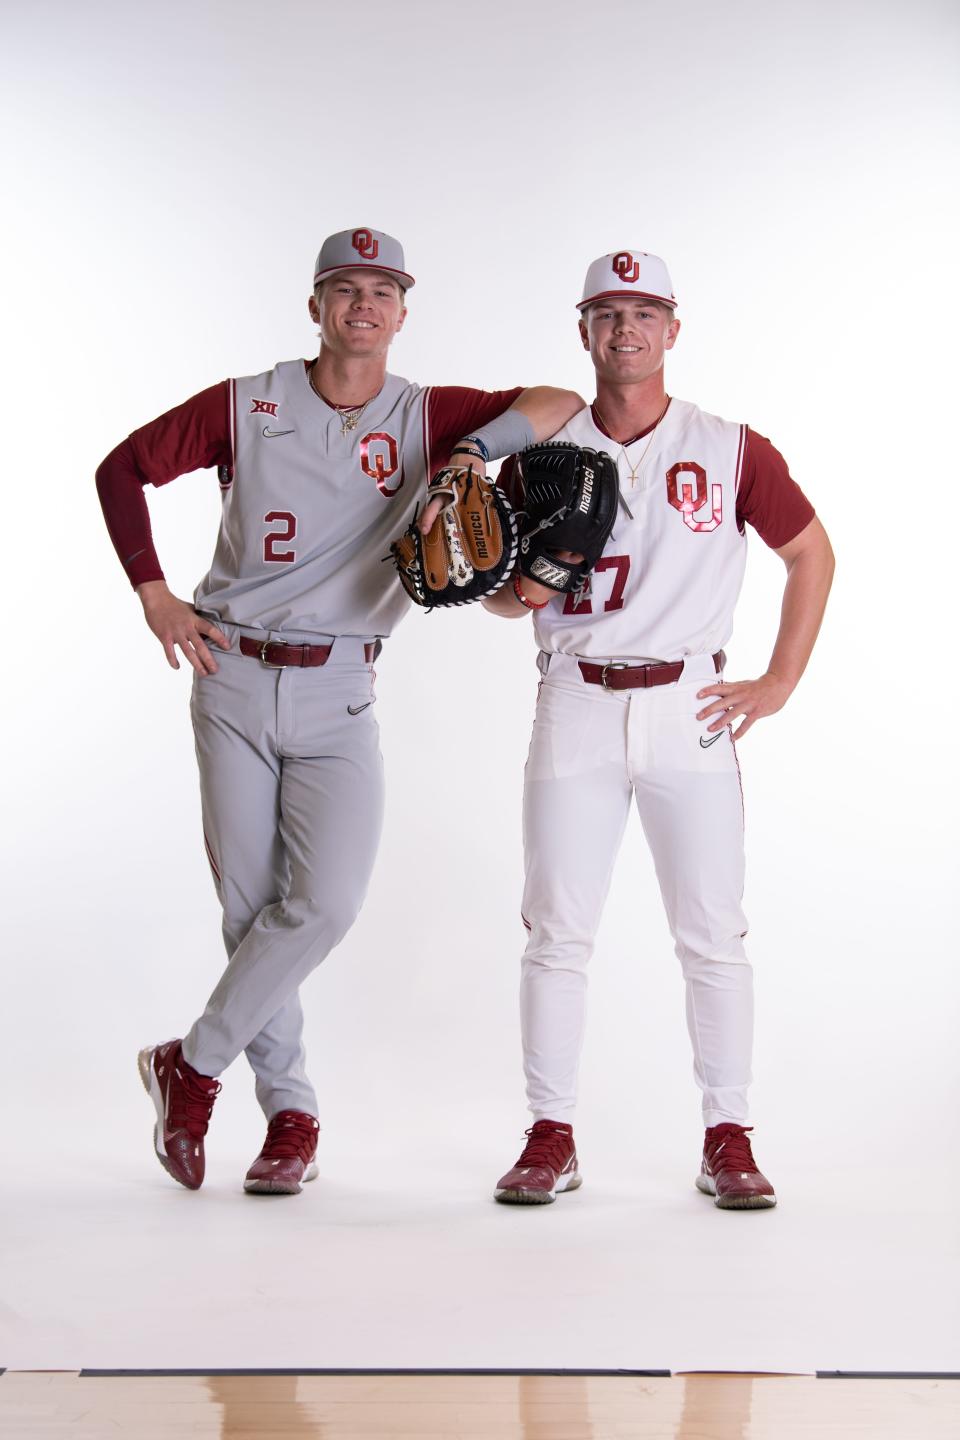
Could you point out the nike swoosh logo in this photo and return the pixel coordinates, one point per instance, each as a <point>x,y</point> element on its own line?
<point>272,434</point>
<point>355,709</point>
<point>705,744</point>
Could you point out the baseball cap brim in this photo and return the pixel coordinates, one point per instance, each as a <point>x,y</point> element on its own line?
<point>402,278</point>
<point>624,294</point>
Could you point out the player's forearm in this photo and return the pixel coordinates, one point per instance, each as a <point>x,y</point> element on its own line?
<point>534,415</point>
<point>152,592</point>
<point>120,488</point>
<point>548,409</point>
<point>809,578</point>
<point>504,602</point>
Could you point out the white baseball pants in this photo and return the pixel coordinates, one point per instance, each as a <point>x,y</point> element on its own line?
<point>591,753</point>
<point>291,784</point>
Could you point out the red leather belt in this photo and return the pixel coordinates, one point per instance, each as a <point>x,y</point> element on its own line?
<point>618,675</point>
<point>275,655</point>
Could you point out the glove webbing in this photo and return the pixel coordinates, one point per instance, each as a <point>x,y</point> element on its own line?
<point>553,519</point>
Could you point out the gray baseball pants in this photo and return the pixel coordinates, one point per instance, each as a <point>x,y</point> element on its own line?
<point>291,785</point>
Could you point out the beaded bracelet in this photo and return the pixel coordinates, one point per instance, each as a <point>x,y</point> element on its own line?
<point>527,604</point>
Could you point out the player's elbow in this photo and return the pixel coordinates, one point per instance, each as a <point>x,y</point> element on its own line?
<point>821,554</point>
<point>811,549</point>
<point>117,472</point>
<point>102,476</point>
<point>570,402</point>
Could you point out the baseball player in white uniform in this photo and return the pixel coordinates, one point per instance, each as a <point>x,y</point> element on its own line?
<point>320,465</point>
<point>634,707</point>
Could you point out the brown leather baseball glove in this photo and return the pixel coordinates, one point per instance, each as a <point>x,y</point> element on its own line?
<point>470,549</point>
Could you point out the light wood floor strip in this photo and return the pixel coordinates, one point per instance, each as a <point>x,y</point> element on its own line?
<point>58,1406</point>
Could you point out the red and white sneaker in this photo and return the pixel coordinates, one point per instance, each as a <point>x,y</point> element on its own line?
<point>287,1157</point>
<point>547,1167</point>
<point>729,1172</point>
<point>184,1102</point>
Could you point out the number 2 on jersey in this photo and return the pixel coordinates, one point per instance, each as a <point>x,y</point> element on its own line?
<point>273,538</point>
<point>619,563</point>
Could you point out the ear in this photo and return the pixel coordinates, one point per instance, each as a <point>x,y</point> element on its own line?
<point>673,330</point>
<point>584,336</point>
<point>314,309</point>
<point>403,316</point>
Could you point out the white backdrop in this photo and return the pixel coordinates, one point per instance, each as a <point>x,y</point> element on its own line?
<point>175,171</point>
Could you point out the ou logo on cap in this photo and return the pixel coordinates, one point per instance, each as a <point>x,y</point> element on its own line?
<point>626,268</point>
<point>365,245</point>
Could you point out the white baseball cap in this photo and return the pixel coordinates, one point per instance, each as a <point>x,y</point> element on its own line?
<point>362,249</point>
<point>627,272</point>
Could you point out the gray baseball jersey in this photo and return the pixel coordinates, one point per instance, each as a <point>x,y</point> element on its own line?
<point>308,510</point>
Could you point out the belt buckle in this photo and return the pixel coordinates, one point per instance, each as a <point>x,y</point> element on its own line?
<point>613,665</point>
<point>263,657</point>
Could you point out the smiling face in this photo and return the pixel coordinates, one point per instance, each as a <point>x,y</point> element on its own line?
<point>628,338</point>
<point>359,312</point>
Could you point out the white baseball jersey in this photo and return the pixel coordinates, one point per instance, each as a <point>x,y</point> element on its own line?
<point>670,574</point>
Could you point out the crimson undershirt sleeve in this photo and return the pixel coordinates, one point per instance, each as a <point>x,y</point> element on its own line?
<point>509,482</point>
<point>768,498</point>
<point>452,411</point>
<point>192,436</point>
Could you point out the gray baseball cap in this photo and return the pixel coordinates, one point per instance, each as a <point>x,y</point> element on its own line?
<point>362,249</point>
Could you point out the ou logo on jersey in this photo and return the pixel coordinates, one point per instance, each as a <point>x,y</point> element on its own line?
<point>690,496</point>
<point>626,268</point>
<point>365,244</point>
<point>380,459</point>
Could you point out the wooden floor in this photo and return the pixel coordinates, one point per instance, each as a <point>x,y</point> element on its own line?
<point>409,1407</point>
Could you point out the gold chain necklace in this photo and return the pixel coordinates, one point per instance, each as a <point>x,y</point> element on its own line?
<point>349,414</point>
<point>635,469</point>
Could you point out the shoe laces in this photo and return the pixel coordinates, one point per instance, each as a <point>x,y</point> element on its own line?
<point>730,1147</point>
<point>290,1133</point>
<point>548,1144</point>
<point>191,1100</point>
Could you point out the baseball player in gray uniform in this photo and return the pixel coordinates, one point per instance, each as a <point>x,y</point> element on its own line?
<point>320,465</point>
<point>634,709</point>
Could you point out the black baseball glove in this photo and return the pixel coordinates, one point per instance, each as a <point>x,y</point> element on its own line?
<point>470,549</point>
<point>570,503</point>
